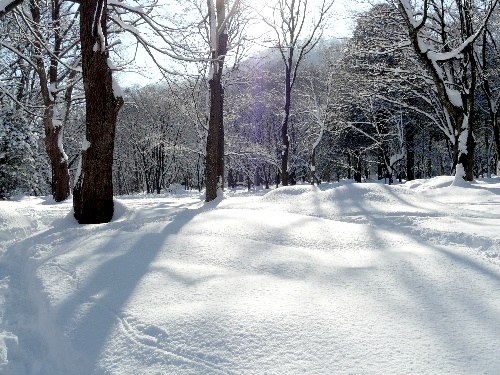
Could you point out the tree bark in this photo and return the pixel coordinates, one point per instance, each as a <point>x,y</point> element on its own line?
<point>410,153</point>
<point>60,188</point>
<point>215,138</point>
<point>285,139</point>
<point>58,159</point>
<point>463,114</point>
<point>212,156</point>
<point>93,193</point>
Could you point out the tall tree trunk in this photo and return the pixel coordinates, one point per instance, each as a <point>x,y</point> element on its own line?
<point>215,138</point>
<point>410,153</point>
<point>496,137</point>
<point>285,139</point>
<point>93,193</point>
<point>463,79</point>
<point>53,126</point>
<point>58,159</point>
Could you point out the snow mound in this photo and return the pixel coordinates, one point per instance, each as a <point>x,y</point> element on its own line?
<point>288,191</point>
<point>13,224</point>
<point>341,278</point>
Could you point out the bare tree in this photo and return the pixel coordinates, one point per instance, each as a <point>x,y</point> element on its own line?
<point>218,24</point>
<point>489,65</point>
<point>445,45</point>
<point>50,31</point>
<point>93,193</point>
<point>297,27</point>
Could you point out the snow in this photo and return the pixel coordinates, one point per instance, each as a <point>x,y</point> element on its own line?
<point>342,278</point>
<point>117,90</point>
<point>455,97</point>
<point>85,144</point>
<point>395,158</point>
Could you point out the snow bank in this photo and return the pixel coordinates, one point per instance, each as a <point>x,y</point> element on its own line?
<point>341,278</point>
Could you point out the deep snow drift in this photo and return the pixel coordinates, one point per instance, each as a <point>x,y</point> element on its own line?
<point>338,279</point>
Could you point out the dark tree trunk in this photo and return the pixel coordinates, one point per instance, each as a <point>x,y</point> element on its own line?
<point>410,154</point>
<point>285,139</point>
<point>213,154</point>
<point>60,188</point>
<point>463,114</point>
<point>215,138</point>
<point>348,166</point>
<point>467,160</point>
<point>93,193</point>
<point>58,160</point>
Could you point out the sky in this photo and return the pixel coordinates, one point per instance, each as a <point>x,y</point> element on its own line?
<point>339,26</point>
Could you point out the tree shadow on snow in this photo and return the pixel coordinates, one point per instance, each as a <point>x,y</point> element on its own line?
<point>91,312</point>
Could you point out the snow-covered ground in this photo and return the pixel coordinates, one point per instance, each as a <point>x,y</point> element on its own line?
<point>338,279</point>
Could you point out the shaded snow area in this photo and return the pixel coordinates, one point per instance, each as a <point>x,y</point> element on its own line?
<point>338,279</point>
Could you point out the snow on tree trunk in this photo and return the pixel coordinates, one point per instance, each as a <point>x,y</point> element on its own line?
<point>93,193</point>
<point>453,71</point>
<point>60,188</point>
<point>466,147</point>
<point>58,159</point>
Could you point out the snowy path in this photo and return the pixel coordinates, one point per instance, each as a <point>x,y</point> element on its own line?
<point>351,279</point>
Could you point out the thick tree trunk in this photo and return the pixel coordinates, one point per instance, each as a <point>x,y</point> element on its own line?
<point>93,193</point>
<point>215,138</point>
<point>467,159</point>
<point>461,113</point>
<point>313,166</point>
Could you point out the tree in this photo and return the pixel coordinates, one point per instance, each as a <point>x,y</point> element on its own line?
<point>93,192</point>
<point>445,45</point>
<point>156,142</point>
<point>489,68</point>
<point>54,44</point>
<point>218,24</point>
<point>294,37</point>
<point>17,144</point>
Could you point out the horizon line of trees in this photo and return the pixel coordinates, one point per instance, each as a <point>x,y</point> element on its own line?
<point>413,93</point>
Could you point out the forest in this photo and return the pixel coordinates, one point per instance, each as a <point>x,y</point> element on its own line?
<point>267,187</point>
<point>248,94</point>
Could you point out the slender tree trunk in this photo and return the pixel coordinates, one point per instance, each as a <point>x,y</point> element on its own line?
<point>496,137</point>
<point>313,165</point>
<point>58,159</point>
<point>410,154</point>
<point>213,142</point>
<point>93,193</point>
<point>60,188</point>
<point>285,139</point>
